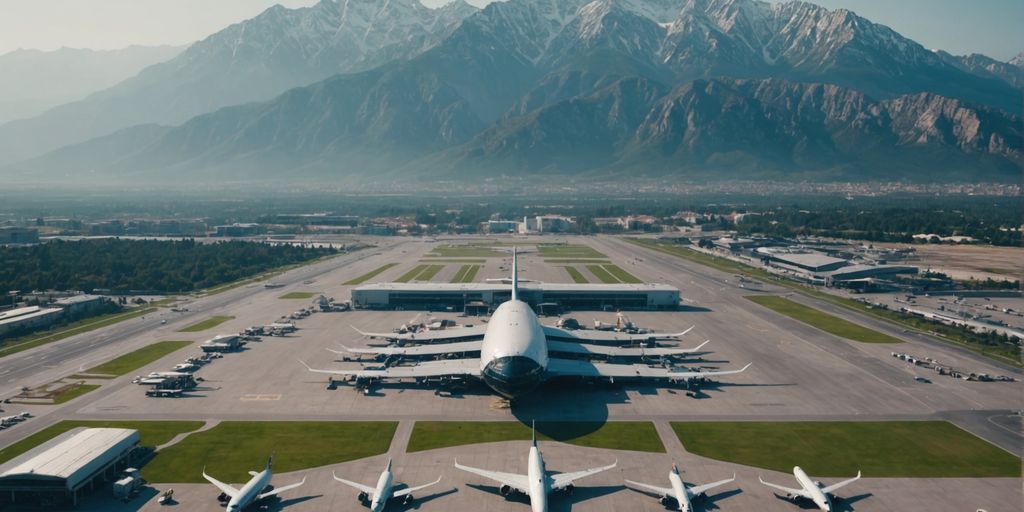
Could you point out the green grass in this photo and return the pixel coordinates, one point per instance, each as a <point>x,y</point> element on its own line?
<point>821,320</point>
<point>592,261</point>
<point>622,275</point>
<point>619,435</point>
<point>299,295</point>
<point>370,275</point>
<point>430,272</point>
<point>466,274</point>
<point>232,448</point>
<point>16,345</point>
<point>263,276</point>
<point>73,392</point>
<point>576,275</point>
<point>460,261</point>
<point>568,251</point>
<point>151,433</point>
<point>209,323</point>
<point>410,275</point>
<point>884,449</point>
<point>465,251</point>
<point>138,358</point>
<point>601,274</point>
<point>1001,271</point>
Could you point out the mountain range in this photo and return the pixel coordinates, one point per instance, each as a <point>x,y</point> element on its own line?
<point>358,89</point>
<point>35,81</point>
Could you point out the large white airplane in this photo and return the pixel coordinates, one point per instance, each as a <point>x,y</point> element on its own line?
<point>514,355</point>
<point>377,497</point>
<point>252,491</point>
<point>537,484</point>
<point>683,495</point>
<point>816,492</point>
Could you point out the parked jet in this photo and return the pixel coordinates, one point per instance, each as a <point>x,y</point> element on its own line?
<point>811,490</point>
<point>683,495</point>
<point>514,356</point>
<point>252,491</point>
<point>377,497</point>
<point>537,484</point>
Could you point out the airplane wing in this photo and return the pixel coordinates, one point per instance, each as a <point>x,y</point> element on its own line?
<point>360,487</point>
<point>834,487</point>
<point>606,336</point>
<point>279,490</point>
<point>569,347</point>
<point>452,368</point>
<point>224,488</point>
<point>453,333</point>
<point>520,483</point>
<point>787,490</point>
<point>660,491</point>
<point>418,350</point>
<point>563,480</point>
<point>574,368</point>
<point>701,489</point>
<point>410,490</point>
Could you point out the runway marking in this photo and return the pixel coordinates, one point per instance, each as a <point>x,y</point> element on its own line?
<point>260,398</point>
<point>756,329</point>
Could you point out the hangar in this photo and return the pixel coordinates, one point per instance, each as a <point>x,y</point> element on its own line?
<point>457,296</point>
<point>61,467</point>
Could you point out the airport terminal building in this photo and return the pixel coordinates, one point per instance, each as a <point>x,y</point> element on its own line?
<point>541,296</point>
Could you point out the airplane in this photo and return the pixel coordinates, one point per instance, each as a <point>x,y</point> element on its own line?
<point>683,495</point>
<point>377,497</point>
<point>514,356</point>
<point>252,491</point>
<point>816,492</point>
<point>536,484</point>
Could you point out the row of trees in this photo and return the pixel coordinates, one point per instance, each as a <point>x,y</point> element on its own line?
<point>141,265</point>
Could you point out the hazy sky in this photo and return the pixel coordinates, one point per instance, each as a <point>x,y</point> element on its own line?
<point>992,27</point>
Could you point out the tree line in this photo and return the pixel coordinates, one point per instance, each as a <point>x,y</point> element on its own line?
<point>141,265</point>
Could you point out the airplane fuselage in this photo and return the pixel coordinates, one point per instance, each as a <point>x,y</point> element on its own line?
<point>538,481</point>
<point>382,492</point>
<point>679,489</point>
<point>247,495</point>
<point>813,489</point>
<point>514,353</point>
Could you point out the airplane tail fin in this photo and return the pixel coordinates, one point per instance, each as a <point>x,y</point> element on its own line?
<point>270,461</point>
<point>515,273</point>
<point>389,465</point>
<point>533,427</point>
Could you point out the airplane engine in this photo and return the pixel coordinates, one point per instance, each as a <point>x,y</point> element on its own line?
<point>664,500</point>
<point>570,488</point>
<point>408,499</point>
<point>505,490</point>
<point>363,497</point>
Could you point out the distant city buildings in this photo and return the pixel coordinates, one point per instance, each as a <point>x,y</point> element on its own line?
<point>18,236</point>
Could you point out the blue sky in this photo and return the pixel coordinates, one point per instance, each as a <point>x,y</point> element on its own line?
<point>992,27</point>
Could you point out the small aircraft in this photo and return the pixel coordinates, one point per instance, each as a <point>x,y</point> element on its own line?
<point>816,492</point>
<point>251,492</point>
<point>683,495</point>
<point>377,497</point>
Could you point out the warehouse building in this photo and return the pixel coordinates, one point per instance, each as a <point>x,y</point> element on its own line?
<point>853,272</point>
<point>27,319</point>
<point>59,470</point>
<point>457,296</point>
<point>78,306</point>
<point>804,261</point>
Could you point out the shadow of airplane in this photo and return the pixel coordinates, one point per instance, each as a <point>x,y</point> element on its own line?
<point>417,502</point>
<point>559,500</point>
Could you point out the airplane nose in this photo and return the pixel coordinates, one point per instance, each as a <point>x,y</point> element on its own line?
<point>513,375</point>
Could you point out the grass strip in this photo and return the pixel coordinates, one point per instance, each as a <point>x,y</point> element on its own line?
<point>299,295</point>
<point>465,251</point>
<point>151,433</point>
<point>462,261</point>
<point>621,274</point>
<point>232,448</point>
<point>410,275</point>
<point>593,261</point>
<point>576,275</point>
<point>471,274</point>
<point>601,274</point>
<point>430,272</point>
<point>881,449</point>
<point>568,251</point>
<point>1003,353</point>
<point>89,324</point>
<point>209,323</point>
<point>264,276</point>
<point>821,320</point>
<point>370,275</point>
<point>73,392</point>
<point>619,435</point>
<point>138,358</point>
